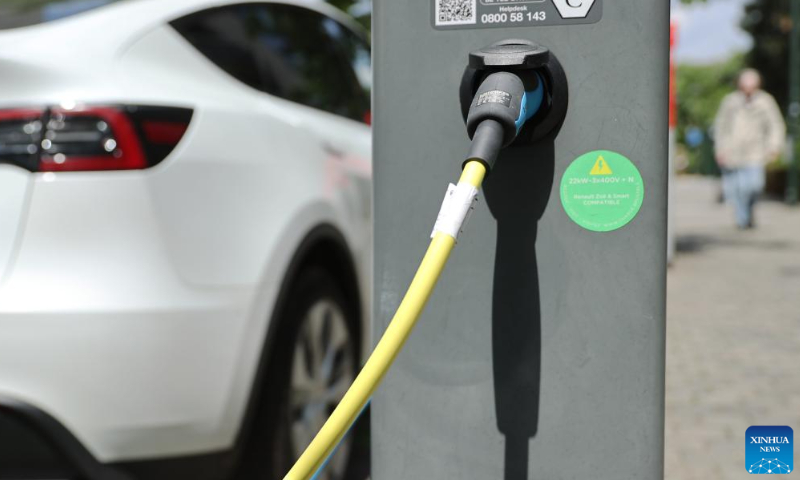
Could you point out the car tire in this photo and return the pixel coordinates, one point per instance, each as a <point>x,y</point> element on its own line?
<point>313,362</point>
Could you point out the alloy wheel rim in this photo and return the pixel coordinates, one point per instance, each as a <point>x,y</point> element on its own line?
<point>322,371</point>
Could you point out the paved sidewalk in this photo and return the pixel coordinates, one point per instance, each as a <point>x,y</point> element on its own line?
<point>733,335</point>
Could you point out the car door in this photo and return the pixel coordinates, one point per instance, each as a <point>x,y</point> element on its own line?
<point>315,73</point>
<point>316,61</point>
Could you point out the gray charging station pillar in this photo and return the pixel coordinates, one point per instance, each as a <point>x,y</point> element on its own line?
<point>541,352</point>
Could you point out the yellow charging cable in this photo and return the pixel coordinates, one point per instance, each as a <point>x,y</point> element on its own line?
<point>387,349</point>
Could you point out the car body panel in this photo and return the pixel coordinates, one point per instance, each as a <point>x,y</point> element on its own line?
<point>14,186</point>
<point>138,302</point>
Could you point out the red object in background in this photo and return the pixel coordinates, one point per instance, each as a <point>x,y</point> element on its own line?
<point>673,93</point>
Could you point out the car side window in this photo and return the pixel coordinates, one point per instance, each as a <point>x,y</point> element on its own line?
<point>287,51</point>
<point>356,53</point>
<point>301,61</point>
<point>220,35</point>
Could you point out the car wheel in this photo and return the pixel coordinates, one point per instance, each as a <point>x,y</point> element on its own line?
<point>314,363</point>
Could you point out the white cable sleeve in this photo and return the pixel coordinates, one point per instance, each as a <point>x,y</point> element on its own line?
<point>459,201</point>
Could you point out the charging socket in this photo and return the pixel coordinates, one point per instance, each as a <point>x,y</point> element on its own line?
<point>530,62</point>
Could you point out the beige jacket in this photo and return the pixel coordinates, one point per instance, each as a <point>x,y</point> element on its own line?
<point>749,132</point>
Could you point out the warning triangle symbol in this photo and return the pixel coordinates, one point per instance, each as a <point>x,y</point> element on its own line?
<point>601,167</point>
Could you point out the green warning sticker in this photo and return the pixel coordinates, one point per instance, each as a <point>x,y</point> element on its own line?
<point>602,191</point>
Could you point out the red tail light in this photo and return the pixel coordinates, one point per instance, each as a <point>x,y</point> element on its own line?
<point>91,137</point>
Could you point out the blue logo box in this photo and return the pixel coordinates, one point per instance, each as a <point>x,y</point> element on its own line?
<point>769,450</point>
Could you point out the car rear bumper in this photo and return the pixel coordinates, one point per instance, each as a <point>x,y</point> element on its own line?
<point>34,445</point>
<point>102,329</point>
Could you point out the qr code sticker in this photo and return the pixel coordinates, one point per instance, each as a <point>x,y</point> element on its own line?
<point>455,12</point>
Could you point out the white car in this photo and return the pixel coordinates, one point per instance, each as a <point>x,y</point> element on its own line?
<point>184,235</point>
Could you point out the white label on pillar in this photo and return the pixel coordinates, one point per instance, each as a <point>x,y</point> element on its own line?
<point>471,14</point>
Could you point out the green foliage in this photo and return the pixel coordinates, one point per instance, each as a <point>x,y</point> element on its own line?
<point>769,23</point>
<point>701,89</point>
<point>23,4</point>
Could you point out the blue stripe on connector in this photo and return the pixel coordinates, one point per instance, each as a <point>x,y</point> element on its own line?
<point>523,112</point>
<point>531,103</point>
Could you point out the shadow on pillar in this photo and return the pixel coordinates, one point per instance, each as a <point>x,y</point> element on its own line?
<point>517,192</point>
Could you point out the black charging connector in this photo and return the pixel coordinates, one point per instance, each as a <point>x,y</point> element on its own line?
<point>487,143</point>
<point>499,110</point>
<point>512,92</point>
<point>501,97</point>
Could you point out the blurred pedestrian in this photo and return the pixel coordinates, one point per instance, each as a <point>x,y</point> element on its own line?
<point>750,133</point>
